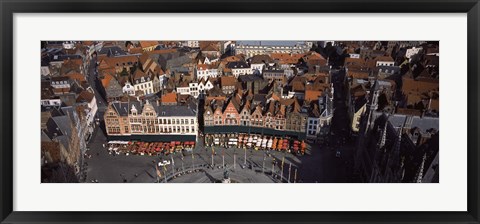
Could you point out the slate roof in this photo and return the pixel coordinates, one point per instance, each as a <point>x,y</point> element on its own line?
<point>178,61</point>
<point>179,111</point>
<point>237,64</point>
<point>249,78</point>
<point>423,123</point>
<point>112,51</point>
<point>59,125</point>
<point>123,108</point>
<point>261,98</point>
<point>64,57</point>
<point>280,71</point>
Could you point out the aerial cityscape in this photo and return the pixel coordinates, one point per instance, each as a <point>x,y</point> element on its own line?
<point>246,111</point>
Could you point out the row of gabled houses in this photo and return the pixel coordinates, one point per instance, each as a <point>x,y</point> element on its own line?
<point>135,119</point>
<point>269,111</point>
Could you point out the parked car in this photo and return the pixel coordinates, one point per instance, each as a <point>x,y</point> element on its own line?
<point>164,163</point>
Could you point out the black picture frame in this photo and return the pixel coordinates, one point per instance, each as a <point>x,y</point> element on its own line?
<point>9,7</point>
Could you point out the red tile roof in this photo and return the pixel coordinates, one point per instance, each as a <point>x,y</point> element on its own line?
<point>284,58</point>
<point>85,96</point>
<point>169,98</point>
<point>227,81</point>
<point>145,44</point>
<point>312,95</point>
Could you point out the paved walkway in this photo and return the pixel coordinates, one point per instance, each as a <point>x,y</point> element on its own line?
<point>318,165</point>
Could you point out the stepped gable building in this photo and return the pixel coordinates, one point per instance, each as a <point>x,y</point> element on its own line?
<point>134,118</point>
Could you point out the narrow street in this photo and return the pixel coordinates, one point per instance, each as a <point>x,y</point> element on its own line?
<point>92,76</point>
<point>340,131</point>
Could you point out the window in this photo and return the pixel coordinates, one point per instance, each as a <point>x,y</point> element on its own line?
<point>192,121</point>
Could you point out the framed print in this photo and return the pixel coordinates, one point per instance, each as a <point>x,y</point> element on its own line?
<point>248,112</point>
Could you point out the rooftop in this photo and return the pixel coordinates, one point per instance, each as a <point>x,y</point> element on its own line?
<point>177,111</point>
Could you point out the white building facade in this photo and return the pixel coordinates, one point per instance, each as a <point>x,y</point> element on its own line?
<point>412,51</point>
<point>252,48</point>
<point>129,89</point>
<point>241,71</point>
<point>385,63</point>
<point>204,72</point>
<point>144,84</point>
